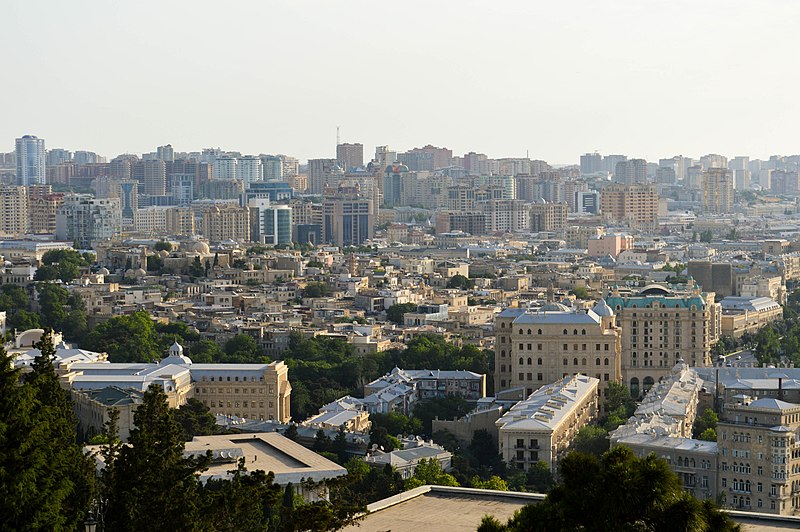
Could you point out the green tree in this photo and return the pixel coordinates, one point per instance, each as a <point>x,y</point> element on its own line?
<point>165,493</point>
<point>429,472</point>
<point>163,245</point>
<point>580,292</point>
<point>45,479</point>
<point>633,493</point>
<point>126,338</point>
<point>316,289</point>
<point>205,352</point>
<point>395,312</point>
<point>493,483</point>
<point>450,407</point>
<point>195,419</point>
<point>703,423</point>
<point>242,348</point>
<point>591,439</point>
<point>461,282</point>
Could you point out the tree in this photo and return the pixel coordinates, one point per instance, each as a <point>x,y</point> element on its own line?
<point>493,483</point>
<point>395,312</point>
<point>591,439</point>
<point>291,432</point>
<point>45,479</point>
<point>580,292</point>
<point>242,348</point>
<point>163,245</point>
<point>706,425</point>
<point>316,289</point>
<point>205,352</point>
<point>461,282</point>
<point>634,494</point>
<point>429,472</point>
<point>195,419</point>
<point>706,236</point>
<point>450,407</point>
<point>126,338</point>
<point>196,268</point>
<point>165,493</point>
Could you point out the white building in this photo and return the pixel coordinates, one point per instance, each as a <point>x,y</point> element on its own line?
<point>225,168</point>
<point>542,427</point>
<point>249,170</point>
<point>82,219</point>
<point>406,460</point>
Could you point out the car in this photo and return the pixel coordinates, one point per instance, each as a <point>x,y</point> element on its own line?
<point>738,357</point>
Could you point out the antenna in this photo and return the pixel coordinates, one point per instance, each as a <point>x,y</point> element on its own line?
<point>337,136</point>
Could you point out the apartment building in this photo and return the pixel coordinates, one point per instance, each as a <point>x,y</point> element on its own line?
<point>540,345</point>
<point>661,326</point>
<point>760,455</point>
<point>14,216</point>
<point>542,427</point>
<point>225,222</point>
<point>636,205</point>
<point>548,216</point>
<point>83,219</point>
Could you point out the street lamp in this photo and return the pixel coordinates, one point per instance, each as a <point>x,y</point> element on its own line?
<point>90,525</point>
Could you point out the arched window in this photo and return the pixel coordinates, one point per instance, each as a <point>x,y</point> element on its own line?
<point>529,361</point>
<point>503,325</point>
<point>529,331</point>
<point>521,361</point>
<point>597,361</point>
<point>575,361</point>
<point>503,353</point>
<point>520,331</point>
<point>583,361</point>
<point>566,362</point>
<point>565,331</point>
<point>575,332</point>
<point>540,331</point>
<point>539,361</point>
<point>583,332</point>
<point>634,387</point>
<point>605,362</point>
<point>647,383</point>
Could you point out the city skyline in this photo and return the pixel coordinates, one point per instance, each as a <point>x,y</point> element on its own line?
<point>554,81</point>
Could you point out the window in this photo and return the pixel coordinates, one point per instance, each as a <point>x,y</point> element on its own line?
<point>539,361</point>
<point>574,361</point>
<point>539,377</point>
<point>597,362</point>
<point>583,361</point>
<point>521,361</point>
<point>521,376</point>
<point>529,361</point>
<point>566,362</point>
<point>605,362</point>
<point>565,331</point>
<point>540,331</point>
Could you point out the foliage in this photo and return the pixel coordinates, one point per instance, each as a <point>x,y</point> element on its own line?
<point>126,338</point>
<point>380,436</point>
<point>634,494</point>
<point>316,289</point>
<point>163,245</point>
<point>705,425</point>
<point>195,419</point>
<point>243,349</point>
<point>45,480</point>
<point>450,407</point>
<point>205,352</point>
<point>461,282</point>
<point>580,292</point>
<point>369,484</point>
<point>706,236</point>
<point>62,311</point>
<point>591,439</point>
<point>493,483</point>
<point>429,472</point>
<point>396,423</point>
<point>395,312</point>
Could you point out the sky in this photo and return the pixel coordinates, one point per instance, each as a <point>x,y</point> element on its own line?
<point>553,79</point>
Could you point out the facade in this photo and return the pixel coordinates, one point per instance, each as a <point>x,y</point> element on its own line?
<point>542,427</point>
<point>405,460</point>
<point>30,155</point>
<point>636,205</point>
<point>151,176</point>
<point>93,409</point>
<point>348,218</point>
<point>661,327</point>
<point>548,216</point>
<point>759,455</point>
<point>428,158</point>
<point>536,346</point>
<point>225,222</point>
<point>250,170</point>
<point>14,217</point>
<point>631,172</point>
<point>429,384</point>
<point>350,155</point>
<point>42,208</point>
<point>717,188</point>
<point>742,315</point>
<point>319,172</point>
<point>83,219</point>
<point>271,224</point>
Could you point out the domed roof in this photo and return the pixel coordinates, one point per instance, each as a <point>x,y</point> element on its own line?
<point>602,309</point>
<point>655,290</point>
<point>104,271</point>
<point>396,168</point>
<point>200,247</point>
<point>175,356</point>
<point>558,307</point>
<point>163,253</point>
<point>140,273</point>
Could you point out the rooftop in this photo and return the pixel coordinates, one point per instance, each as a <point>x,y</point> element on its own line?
<point>549,405</point>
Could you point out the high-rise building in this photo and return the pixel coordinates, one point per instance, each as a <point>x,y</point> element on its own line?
<point>151,176</point>
<point>591,163</point>
<point>270,224</point>
<point>42,207</point>
<point>476,164</point>
<point>661,326</point>
<point>165,153</point>
<point>30,156</point>
<point>319,174</point>
<point>183,188</point>
<point>249,170</point>
<point>506,215</point>
<point>384,156</point>
<point>350,156</point>
<point>84,157</point>
<point>393,184</point>
<point>636,205</point>
<point>587,202</point>
<point>57,156</point>
<point>83,219</point>
<point>180,221</point>
<point>631,172</point>
<point>665,175</point>
<point>782,181</point>
<point>546,216</point>
<point>427,158</point>
<point>348,217</point>
<point>222,222</point>
<point>538,346</point>
<point>272,167</point>
<point>610,162</point>
<point>717,187</point>
<point>225,168</point>
<point>713,160</point>
<point>14,215</point>
<point>291,166</point>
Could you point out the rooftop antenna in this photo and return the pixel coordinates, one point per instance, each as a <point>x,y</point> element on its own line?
<point>337,136</point>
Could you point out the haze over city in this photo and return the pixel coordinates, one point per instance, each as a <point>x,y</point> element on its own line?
<point>649,79</point>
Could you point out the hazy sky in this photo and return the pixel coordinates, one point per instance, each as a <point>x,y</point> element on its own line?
<point>557,78</point>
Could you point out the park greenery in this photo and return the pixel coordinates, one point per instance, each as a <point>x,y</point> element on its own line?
<point>616,491</point>
<point>396,312</point>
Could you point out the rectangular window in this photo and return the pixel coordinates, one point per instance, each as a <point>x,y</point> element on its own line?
<point>539,377</point>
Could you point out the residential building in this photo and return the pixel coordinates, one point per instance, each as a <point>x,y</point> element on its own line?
<point>433,383</point>
<point>344,412</point>
<point>348,217</point>
<point>220,222</point>
<point>30,157</point>
<point>320,172</point>
<point>42,208</point>
<point>742,315</point>
<point>591,163</point>
<point>631,172</point>
<point>540,345</point>
<point>548,216</point>
<point>542,427</point>
<point>14,217</point>
<point>350,155</point>
<point>83,219</point>
<point>406,460</point>
<point>636,205</point>
<point>250,170</point>
<point>662,326</point>
<point>151,176</point>
<point>717,189</point>
<point>428,158</point>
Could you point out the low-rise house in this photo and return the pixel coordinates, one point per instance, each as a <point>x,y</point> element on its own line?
<point>405,460</point>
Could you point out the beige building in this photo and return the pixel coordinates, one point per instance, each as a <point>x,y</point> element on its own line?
<point>742,315</point>
<point>661,327</point>
<point>760,456</point>
<point>717,187</point>
<point>180,221</point>
<point>225,222</point>
<point>536,346</point>
<point>42,207</point>
<point>548,216</point>
<point>636,205</point>
<point>93,409</point>
<point>14,217</point>
<point>542,427</point>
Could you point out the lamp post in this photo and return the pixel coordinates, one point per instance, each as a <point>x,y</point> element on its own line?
<point>90,525</point>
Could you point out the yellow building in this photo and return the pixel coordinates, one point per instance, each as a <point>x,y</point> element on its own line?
<point>635,204</point>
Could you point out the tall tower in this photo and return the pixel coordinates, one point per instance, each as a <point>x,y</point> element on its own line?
<point>30,160</point>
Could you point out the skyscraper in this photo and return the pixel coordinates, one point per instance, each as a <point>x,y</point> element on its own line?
<point>319,171</point>
<point>151,175</point>
<point>350,155</point>
<point>348,217</point>
<point>13,210</point>
<point>717,186</point>
<point>249,170</point>
<point>30,160</point>
<point>165,153</point>
<point>631,172</point>
<point>82,219</point>
<point>591,163</point>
